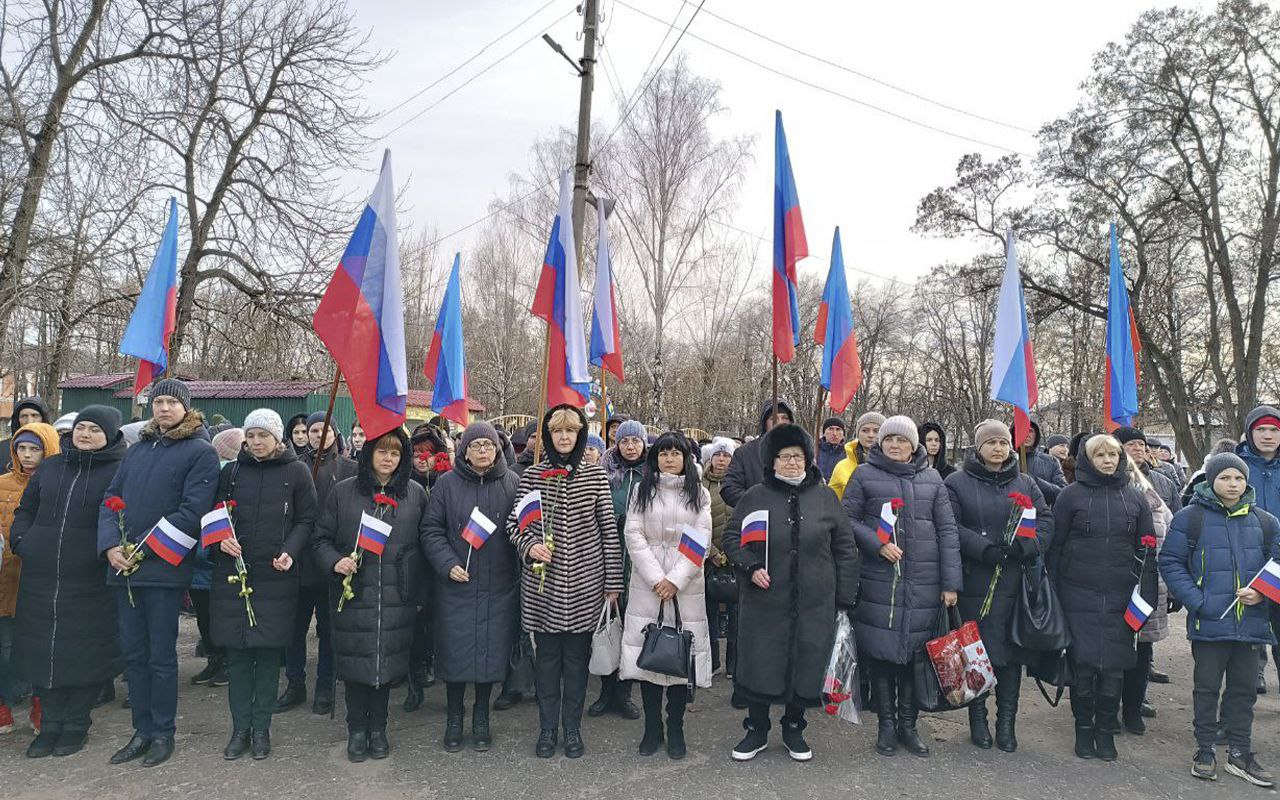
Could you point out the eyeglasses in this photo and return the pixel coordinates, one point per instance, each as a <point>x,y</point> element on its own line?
<point>481,445</point>
<point>790,458</point>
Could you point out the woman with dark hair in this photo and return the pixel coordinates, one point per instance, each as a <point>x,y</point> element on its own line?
<point>934,439</point>
<point>574,565</point>
<point>373,630</point>
<point>296,432</point>
<point>670,505</point>
<point>793,580</point>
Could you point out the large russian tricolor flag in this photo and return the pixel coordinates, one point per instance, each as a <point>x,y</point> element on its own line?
<point>1120,389</point>
<point>841,367</point>
<point>446,365</point>
<point>1013,367</point>
<point>155,316</point>
<point>789,246</point>
<point>558,302</point>
<point>606,338</point>
<point>361,315</point>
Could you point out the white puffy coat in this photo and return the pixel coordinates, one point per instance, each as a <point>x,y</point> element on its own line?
<point>653,540</point>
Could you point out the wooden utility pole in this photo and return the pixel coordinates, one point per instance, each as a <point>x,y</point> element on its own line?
<point>582,167</point>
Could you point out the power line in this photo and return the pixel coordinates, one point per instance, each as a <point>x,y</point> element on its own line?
<point>491,214</point>
<point>868,77</point>
<point>473,57</point>
<point>833,92</point>
<point>465,83</point>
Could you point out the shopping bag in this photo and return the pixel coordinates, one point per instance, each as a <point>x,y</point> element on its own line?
<point>962,665</point>
<point>928,693</point>
<point>840,695</point>
<point>606,642</point>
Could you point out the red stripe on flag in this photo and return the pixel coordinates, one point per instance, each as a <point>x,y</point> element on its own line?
<point>846,375</point>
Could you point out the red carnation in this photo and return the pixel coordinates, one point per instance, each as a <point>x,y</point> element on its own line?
<point>1149,541</point>
<point>114,503</point>
<point>558,472</point>
<point>227,504</point>
<point>897,503</point>
<point>442,463</point>
<point>381,499</point>
<point>1021,500</point>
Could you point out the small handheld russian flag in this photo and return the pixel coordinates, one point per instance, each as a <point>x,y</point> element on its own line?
<point>1027,525</point>
<point>693,544</point>
<point>888,519</point>
<point>1268,581</point>
<point>1138,612</point>
<point>478,529</point>
<point>529,510</point>
<point>373,534</point>
<point>216,527</point>
<point>169,543</point>
<point>755,527</point>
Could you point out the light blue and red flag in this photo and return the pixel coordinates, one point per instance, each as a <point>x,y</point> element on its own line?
<point>693,544</point>
<point>888,521</point>
<point>755,528</point>
<point>1138,611</point>
<point>155,316</point>
<point>841,367</point>
<point>529,510</point>
<point>1027,524</point>
<point>558,302</point>
<point>1268,581</point>
<point>446,365</point>
<point>1120,391</point>
<point>361,315</point>
<point>373,534</point>
<point>216,527</point>
<point>478,529</point>
<point>789,246</point>
<point>169,543</point>
<point>606,338</point>
<point>1013,367</point>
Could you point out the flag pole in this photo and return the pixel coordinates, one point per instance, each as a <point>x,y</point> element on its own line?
<point>775,390</point>
<point>470,549</point>
<point>542,398</point>
<point>1248,585</point>
<point>817,419</point>
<point>328,416</point>
<point>604,407</point>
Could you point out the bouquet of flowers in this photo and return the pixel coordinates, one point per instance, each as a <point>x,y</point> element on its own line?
<point>132,551</point>
<point>558,476</point>
<point>1021,503</point>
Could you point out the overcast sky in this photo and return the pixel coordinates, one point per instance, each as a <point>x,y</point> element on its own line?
<point>859,168</point>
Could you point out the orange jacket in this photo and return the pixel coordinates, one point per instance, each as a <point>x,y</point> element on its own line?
<point>12,484</point>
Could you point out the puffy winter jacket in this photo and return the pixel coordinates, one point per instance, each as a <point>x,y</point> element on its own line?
<point>828,456</point>
<point>840,476</point>
<point>1232,548</point>
<point>12,484</point>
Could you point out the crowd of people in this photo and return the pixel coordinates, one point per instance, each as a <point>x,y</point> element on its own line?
<point>452,556</point>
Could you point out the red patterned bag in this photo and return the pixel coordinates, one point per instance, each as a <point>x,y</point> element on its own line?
<point>962,664</point>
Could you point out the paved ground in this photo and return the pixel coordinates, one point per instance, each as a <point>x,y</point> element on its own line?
<point>309,757</point>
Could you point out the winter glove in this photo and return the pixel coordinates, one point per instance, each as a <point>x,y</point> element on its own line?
<point>993,555</point>
<point>1023,548</point>
<point>1174,606</point>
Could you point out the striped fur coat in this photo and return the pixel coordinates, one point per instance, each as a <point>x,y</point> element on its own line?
<point>587,559</point>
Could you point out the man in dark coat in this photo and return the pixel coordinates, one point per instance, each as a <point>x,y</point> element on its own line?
<point>476,610</point>
<point>1046,469</point>
<point>65,639</point>
<point>1135,446</point>
<point>787,611</point>
<point>313,594</point>
<point>169,476</point>
<point>273,513</point>
<point>25,411</point>
<point>831,446</point>
<point>746,469</point>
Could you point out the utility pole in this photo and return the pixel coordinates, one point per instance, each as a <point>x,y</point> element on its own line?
<point>582,167</point>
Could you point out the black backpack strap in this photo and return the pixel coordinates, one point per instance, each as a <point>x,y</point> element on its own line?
<point>1195,527</point>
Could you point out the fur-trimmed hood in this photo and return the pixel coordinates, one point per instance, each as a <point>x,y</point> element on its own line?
<point>775,441</point>
<point>191,426</point>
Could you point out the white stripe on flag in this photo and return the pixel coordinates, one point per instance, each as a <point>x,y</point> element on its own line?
<point>603,305</point>
<point>176,535</point>
<point>367,520</point>
<point>696,535</point>
<point>216,515</point>
<point>575,340</point>
<point>1142,605</point>
<point>1272,567</point>
<point>757,516</point>
<point>484,522</point>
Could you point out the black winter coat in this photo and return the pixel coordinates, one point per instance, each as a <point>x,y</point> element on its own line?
<point>275,509</point>
<point>787,630</point>
<point>1046,469</point>
<point>65,628</point>
<point>980,501</point>
<point>931,555</point>
<point>748,467</point>
<point>334,468</point>
<point>174,475</point>
<point>373,632</point>
<point>1098,524</point>
<point>475,623</point>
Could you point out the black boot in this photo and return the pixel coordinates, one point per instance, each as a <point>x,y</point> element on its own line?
<point>793,739</point>
<point>676,748</point>
<point>260,745</point>
<point>357,745</point>
<point>294,695</point>
<point>136,748</point>
<point>908,735</point>
<point>573,745</point>
<point>507,699</point>
<point>211,668</point>
<point>69,742</point>
<point>979,732</point>
<point>238,746</point>
<point>1008,688</point>
<point>1132,695</point>
<point>481,739</point>
<point>651,696</point>
<point>413,701</point>
<point>160,751</point>
<point>546,746</point>
<point>605,700</point>
<point>1106,725</point>
<point>1082,709</point>
<point>323,704</point>
<point>883,694</point>
<point>622,700</point>
<point>379,747</point>
<point>453,732</point>
<point>757,739</point>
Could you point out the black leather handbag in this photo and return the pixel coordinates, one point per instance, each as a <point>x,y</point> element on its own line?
<point>722,584</point>
<point>1054,669</point>
<point>1038,621</point>
<point>667,650</point>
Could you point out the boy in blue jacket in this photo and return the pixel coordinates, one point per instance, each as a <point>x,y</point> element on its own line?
<point>1214,548</point>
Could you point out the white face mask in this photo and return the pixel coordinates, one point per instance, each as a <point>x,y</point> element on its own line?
<point>796,481</point>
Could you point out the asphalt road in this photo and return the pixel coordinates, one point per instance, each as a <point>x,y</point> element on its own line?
<point>309,760</point>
